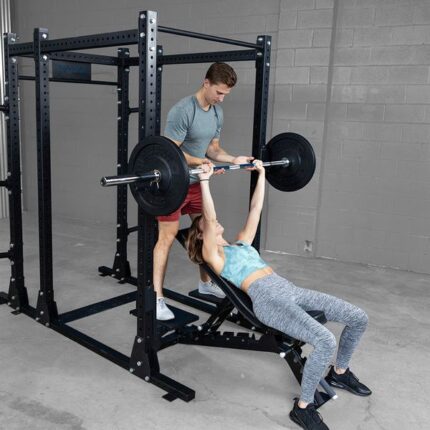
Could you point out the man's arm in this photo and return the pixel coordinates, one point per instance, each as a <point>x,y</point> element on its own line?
<point>216,153</point>
<point>191,161</point>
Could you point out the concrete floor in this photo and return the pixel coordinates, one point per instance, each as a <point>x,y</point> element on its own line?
<point>49,382</point>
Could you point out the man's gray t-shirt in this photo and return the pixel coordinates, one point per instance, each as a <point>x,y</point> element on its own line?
<point>187,122</point>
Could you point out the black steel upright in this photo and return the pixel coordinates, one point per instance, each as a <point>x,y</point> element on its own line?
<point>46,308</point>
<point>17,295</point>
<point>144,358</point>
<point>261,102</point>
<point>158,94</point>
<point>121,266</point>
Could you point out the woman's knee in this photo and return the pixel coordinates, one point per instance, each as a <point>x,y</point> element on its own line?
<point>327,343</point>
<point>361,318</point>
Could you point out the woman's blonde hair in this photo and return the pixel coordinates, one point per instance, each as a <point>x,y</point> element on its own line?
<point>194,242</point>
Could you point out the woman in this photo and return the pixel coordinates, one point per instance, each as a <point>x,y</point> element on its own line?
<point>277,302</point>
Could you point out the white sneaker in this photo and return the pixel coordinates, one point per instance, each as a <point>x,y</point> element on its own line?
<point>211,288</point>
<point>163,312</point>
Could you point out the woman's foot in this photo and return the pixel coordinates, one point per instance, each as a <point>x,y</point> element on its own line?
<point>347,381</point>
<point>307,418</point>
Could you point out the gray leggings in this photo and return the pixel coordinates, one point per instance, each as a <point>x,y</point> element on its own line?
<point>279,304</point>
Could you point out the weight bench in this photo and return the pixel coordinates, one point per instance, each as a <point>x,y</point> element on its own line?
<point>237,307</point>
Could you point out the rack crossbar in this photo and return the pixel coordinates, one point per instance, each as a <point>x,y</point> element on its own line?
<point>209,57</point>
<point>202,57</point>
<point>80,57</point>
<point>119,38</point>
<point>92,344</point>
<point>4,298</point>
<point>97,307</point>
<point>102,40</point>
<point>209,37</point>
<point>71,81</point>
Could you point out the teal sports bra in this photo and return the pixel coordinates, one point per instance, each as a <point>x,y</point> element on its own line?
<point>241,259</point>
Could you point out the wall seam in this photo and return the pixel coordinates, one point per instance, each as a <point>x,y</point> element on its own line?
<point>274,69</point>
<point>315,251</point>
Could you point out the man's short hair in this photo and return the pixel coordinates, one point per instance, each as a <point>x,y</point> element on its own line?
<point>221,73</point>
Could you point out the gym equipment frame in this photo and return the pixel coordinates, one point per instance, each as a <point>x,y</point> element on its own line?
<point>74,67</point>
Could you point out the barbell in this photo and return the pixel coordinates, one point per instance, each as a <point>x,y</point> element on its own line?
<point>155,175</point>
<point>159,175</point>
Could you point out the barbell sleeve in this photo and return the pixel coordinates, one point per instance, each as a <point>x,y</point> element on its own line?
<point>108,181</point>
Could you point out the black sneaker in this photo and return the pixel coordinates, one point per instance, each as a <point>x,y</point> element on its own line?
<point>347,381</point>
<point>309,418</point>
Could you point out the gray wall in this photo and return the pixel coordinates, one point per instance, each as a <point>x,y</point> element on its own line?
<point>355,81</point>
<point>350,75</point>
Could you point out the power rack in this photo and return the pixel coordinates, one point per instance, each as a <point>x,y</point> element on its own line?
<point>75,67</point>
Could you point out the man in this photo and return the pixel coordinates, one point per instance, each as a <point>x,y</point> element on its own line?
<point>194,124</point>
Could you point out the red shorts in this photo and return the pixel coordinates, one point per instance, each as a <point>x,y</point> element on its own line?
<point>191,205</point>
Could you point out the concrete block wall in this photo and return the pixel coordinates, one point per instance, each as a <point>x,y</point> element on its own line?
<point>376,182</point>
<point>350,75</point>
<point>358,89</point>
<point>300,105</point>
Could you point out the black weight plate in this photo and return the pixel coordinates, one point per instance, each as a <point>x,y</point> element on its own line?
<point>299,151</point>
<point>159,153</point>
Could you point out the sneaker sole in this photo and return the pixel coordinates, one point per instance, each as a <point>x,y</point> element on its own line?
<point>212,294</point>
<point>296,420</point>
<point>166,319</point>
<point>347,388</point>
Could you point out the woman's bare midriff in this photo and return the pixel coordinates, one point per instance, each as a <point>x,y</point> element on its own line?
<point>254,276</point>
